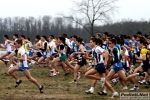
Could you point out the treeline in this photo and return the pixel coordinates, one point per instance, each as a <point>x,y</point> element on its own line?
<point>30,27</point>
<point>127,27</point>
<point>46,25</point>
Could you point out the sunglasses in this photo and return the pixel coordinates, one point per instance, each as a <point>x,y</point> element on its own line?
<point>109,43</point>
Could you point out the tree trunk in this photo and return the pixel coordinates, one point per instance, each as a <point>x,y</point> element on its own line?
<point>92,29</point>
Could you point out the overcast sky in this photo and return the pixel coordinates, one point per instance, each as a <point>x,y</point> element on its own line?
<point>133,9</point>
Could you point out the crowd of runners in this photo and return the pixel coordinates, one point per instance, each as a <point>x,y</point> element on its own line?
<point>107,58</point>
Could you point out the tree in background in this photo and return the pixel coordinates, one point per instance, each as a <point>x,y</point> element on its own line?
<point>88,13</point>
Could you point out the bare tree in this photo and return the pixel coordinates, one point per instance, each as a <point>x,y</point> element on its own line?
<point>46,24</point>
<point>88,13</point>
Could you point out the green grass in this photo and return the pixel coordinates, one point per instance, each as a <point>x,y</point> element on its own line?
<point>55,88</point>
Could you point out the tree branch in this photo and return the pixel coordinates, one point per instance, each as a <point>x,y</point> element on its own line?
<point>80,23</point>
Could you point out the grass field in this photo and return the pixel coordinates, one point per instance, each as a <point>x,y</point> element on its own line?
<point>55,88</point>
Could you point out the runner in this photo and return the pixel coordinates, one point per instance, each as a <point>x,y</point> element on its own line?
<point>22,66</point>
<point>99,72</point>
<point>81,62</point>
<point>145,67</point>
<point>62,55</point>
<point>6,46</point>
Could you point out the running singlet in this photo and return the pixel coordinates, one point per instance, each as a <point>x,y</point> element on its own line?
<point>51,48</point>
<point>20,53</point>
<point>145,65</point>
<point>61,47</point>
<point>26,47</point>
<point>116,56</point>
<point>43,48</point>
<point>97,54</point>
<point>8,47</point>
<point>144,52</point>
<point>81,60</point>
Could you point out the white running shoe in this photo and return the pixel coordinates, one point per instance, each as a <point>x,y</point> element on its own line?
<point>125,88</point>
<point>134,89</point>
<point>57,72</point>
<point>89,92</point>
<point>51,73</point>
<point>115,94</point>
<point>54,74</point>
<point>143,82</point>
